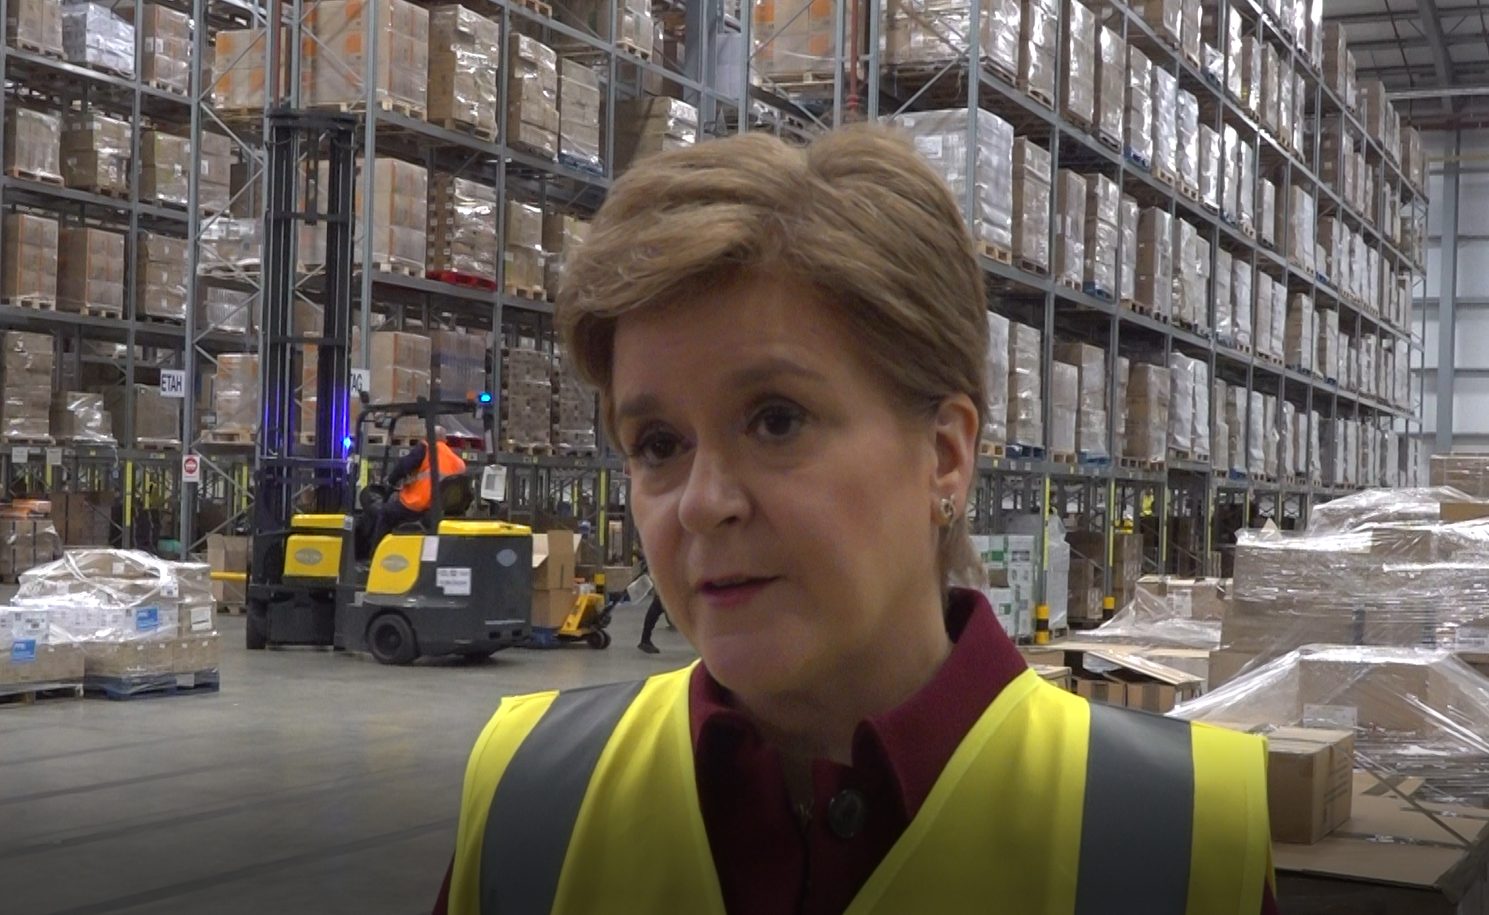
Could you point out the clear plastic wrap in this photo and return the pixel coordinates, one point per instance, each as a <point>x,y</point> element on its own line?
<point>1246,188</point>
<point>1119,417</point>
<point>457,365</point>
<point>165,47</point>
<point>94,36</point>
<point>1111,83</point>
<point>1166,17</point>
<point>28,267</point>
<point>464,59</point>
<point>90,270</point>
<point>79,417</point>
<point>26,363</point>
<point>574,410</point>
<point>238,72</point>
<point>160,276</point>
<point>562,234</point>
<point>1064,404</point>
<point>1266,215</point>
<point>1287,446</point>
<point>1299,341</point>
<point>1079,85</point>
<point>1102,217</point>
<point>527,396</point>
<point>995,418</point>
<point>1327,344</point>
<point>1284,103</point>
<point>524,250</point>
<point>1271,89</point>
<point>1025,391</point>
<point>462,227</point>
<point>334,65</point>
<point>1181,405</point>
<point>1148,393</point>
<point>1031,203</point>
<point>941,139</point>
<point>1128,248</point>
<point>1234,78</point>
<point>1242,298</point>
<point>1415,712</point>
<point>1139,139</point>
<point>235,394</point>
<point>229,243</point>
<point>33,144</point>
<point>1278,328</point>
<point>579,115</point>
<point>916,31</point>
<point>1187,138</point>
<point>532,106</point>
<point>1252,57</point>
<point>157,419</point>
<point>1300,109</point>
<point>1230,163</point>
<point>1154,287</point>
<point>1237,423</point>
<point>165,168</point>
<point>1224,270</point>
<point>1070,219</point>
<point>1165,122</point>
<point>1199,430</point>
<point>1256,433</point>
<point>1210,176</point>
<point>1300,233</point>
<point>1038,38</point>
<point>1191,271</point>
<point>35,25</point>
<point>95,153</point>
<point>1220,450</point>
<point>1262,316</point>
<point>1174,612</point>
<point>1271,436</point>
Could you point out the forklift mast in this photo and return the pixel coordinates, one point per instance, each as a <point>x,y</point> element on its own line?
<point>303,150</point>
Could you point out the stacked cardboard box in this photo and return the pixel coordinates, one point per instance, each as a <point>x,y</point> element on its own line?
<point>918,31</point>
<point>1111,83</point>
<point>1223,321</point>
<point>995,416</point>
<point>1091,415</point>
<point>95,153</point>
<point>1078,95</point>
<point>1300,235</point>
<point>157,419</point>
<point>464,59</point>
<point>1222,458</point>
<point>562,234</point>
<point>1230,174</point>
<point>165,168</point>
<point>941,138</point>
<point>1064,404</point>
<point>400,217</point>
<point>1246,180</point>
<point>1187,136</point>
<point>1155,286</point>
<point>1191,272</point>
<point>235,395</point>
<point>1165,17</point>
<point>462,227</point>
<point>1148,393</point>
<point>81,418</point>
<point>90,270</point>
<point>795,38</point>
<point>1183,387</point>
<point>1008,560</point>
<point>1101,235</point>
<point>33,144</point>
<point>29,268</point>
<point>645,127</point>
<point>238,75</point>
<point>1139,138</point>
<point>527,399</point>
<point>228,553</point>
<point>1070,220</point>
<point>1299,343</point>
<point>214,169</point>
<point>333,54</point>
<point>554,592</point>
<point>160,277</point>
<point>1039,25</point>
<point>83,518</point>
<point>1025,386</point>
<point>165,47</point>
<point>1165,94</point>
<point>573,410</point>
<point>1127,270</point>
<point>524,249</point>
<point>94,36</point>
<point>26,364</point>
<point>532,96</point>
<point>1031,204</point>
<point>400,367</point>
<point>1211,172</point>
<point>457,365</point>
<point>579,115</point>
<point>35,25</point>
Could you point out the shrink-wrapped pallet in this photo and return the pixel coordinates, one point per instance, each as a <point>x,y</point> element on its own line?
<point>90,271</point>
<point>1241,300</point>
<point>35,25</point>
<point>645,127</point>
<point>160,277</point>
<point>93,35</point>
<point>1031,204</point>
<point>532,102</point>
<point>995,419</point>
<point>1327,344</point>
<point>1064,406</point>
<point>562,235</point>
<point>941,139</point>
<point>1025,387</point>
<point>165,168</point>
<point>523,252</point>
<point>226,311</point>
<point>1070,219</point>
<point>1165,17</point>
<point>334,66</point>
<point>464,60</point>
<point>462,228</point>
<point>527,398</point>
<point>1300,228</point>
<point>33,144</point>
<point>1091,416</point>
<point>1139,138</point>
<point>573,410</point>
<point>1199,432</point>
<point>95,153</point>
<point>579,115</point>
<point>81,418</point>
<point>214,167</point>
<point>1101,230</point>
<point>1187,137</point>
<point>917,31</point>
<point>27,361</point>
<point>165,47</point>
<point>457,365</point>
<point>1261,324</point>
<point>1253,58</point>
<point>1127,281</point>
<point>1148,393</point>
<point>1266,212</point>
<point>1210,167</point>
<point>1154,286</point>
<point>238,77</point>
<point>28,270</point>
<point>1111,84</point>
<point>399,368</point>
<point>1245,188</point>
<point>1078,93</point>
<point>1165,123</point>
<point>1181,418</point>
<point>1231,188</point>
<point>235,395</point>
<point>1224,273</point>
<point>1299,339</point>
<point>1038,39</point>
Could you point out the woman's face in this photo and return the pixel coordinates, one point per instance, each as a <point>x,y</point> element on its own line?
<point>786,504</point>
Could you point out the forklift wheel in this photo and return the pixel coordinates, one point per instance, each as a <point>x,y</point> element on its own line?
<point>391,640</point>
<point>256,628</point>
<point>598,639</point>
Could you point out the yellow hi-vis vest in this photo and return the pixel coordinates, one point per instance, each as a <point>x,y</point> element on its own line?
<point>584,802</point>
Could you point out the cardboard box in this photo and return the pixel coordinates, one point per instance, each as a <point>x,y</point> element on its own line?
<point>1107,691</point>
<point>1308,782</point>
<point>551,608</point>
<point>553,560</point>
<point>1453,512</point>
<point>228,554</point>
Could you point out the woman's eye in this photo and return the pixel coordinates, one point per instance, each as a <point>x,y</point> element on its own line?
<point>777,422</point>
<point>656,448</point>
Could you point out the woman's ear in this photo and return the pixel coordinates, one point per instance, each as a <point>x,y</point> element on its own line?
<point>957,432</point>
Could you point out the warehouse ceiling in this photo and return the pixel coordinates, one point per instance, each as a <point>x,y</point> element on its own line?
<point>1438,47</point>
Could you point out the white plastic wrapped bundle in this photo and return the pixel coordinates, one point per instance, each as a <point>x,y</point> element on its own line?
<point>1070,210</point>
<point>1187,137</point>
<point>1220,453</point>
<point>1139,140</point>
<point>995,421</point>
<point>1241,299</point>
<point>1262,316</point>
<point>1165,122</point>
<point>1299,340</point>
<point>941,138</point>
<point>1064,404</point>
<point>93,35</point>
<point>1266,216</point>
<point>462,227</point>
<point>1148,393</point>
<point>1129,221</point>
<point>1210,172</point>
<point>1286,442</point>
<point>1031,203</point>
<point>1256,433</point>
<point>1284,103</point>
<point>1111,83</point>
<point>1199,430</point>
<point>1155,253</point>
<point>1271,437</point>
<point>1038,35</point>
<point>1181,404</point>
<point>1279,319</point>
<point>1079,102</point>
<point>1252,54</point>
<point>1237,421</point>
<point>1246,167</point>
<point>1025,392</point>
<point>1091,416</point>
<point>80,417</point>
<point>1190,275</point>
<point>1224,271</point>
<point>1230,164</point>
<point>1315,453</point>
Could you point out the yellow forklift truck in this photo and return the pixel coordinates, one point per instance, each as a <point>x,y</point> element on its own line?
<point>445,585</point>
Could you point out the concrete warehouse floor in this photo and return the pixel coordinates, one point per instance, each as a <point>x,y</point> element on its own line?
<point>312,783</point>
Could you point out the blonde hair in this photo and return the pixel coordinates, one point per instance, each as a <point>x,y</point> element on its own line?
<point>857,215</point>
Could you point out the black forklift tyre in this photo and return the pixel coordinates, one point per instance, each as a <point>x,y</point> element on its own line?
<point>391,640</point>
<point>256,628</point>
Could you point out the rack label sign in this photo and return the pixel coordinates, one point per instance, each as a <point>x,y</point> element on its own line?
<point>173,383</point>
<point>54,457</point>
<point>20,454</point>
<point>453,582</point>
<point>191,469</point>
<point>361,381</point>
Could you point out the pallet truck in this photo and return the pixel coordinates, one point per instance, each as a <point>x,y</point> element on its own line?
<point>446,586</point>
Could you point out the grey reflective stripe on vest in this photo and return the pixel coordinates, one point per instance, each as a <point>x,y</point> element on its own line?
<point>1138,822</point>
<point>537,801</point>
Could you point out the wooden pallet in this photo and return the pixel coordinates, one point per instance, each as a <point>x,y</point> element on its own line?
<point>230,437</point>
<point>114,192</point>
<point>1034,267</point>
<point>1063,457</point>
<point>510,447</point>
<point>37,440</point>
<point>1211,208</point>
<point>631,48</point>
<point>1109,141</point>
<point>1248,231</point>
<point>94,65</point>
<point>1079,121</point>
<point>1163,175</point>
<point>482,133</point>
<point>29,175</point>
<point>167,320</point>
<point>26,44</point>
<point>101,311</point>
<point>383,103</point>
<point>167,88</point>
<point>34,302</point>
<point>1268,357</point>
<point>1068,283</point>
<point>1001,255</point>
<point>1142,464</point>
<point>576,452</point>
<point>1192,60</point>
<point>30,693</point>
<point>1003,73</point>
<point>157,444</point>
<point>542,9</point>
<point>992,450</point>
<point>535,293</point>
<point>536,151</point>
<point>1189,193</point>
<point>400,269</point>
<point>1175,454</point>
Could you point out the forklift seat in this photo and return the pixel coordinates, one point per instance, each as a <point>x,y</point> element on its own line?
<point>456,493</point>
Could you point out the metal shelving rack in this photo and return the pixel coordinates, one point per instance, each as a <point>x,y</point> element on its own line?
<point>1188,495</point>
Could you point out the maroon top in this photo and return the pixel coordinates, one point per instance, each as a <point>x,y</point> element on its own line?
<point>771,857</point>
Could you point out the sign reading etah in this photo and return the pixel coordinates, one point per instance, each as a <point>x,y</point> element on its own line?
<point>173,383</point>
<point>191,468</point>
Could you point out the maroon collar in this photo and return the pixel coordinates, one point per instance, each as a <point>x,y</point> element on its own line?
<point>912,742</point>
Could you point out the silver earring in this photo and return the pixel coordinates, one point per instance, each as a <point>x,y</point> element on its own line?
<point>948,510</point>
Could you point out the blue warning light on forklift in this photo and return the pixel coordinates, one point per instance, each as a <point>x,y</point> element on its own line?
<point>484,397</point>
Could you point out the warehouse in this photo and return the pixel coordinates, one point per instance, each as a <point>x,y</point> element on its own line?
<point>302,481</point>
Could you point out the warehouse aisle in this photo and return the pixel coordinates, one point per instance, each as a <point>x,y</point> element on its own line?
<point>312,783</point>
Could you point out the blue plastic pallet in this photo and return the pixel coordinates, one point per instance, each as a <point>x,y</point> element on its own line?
<point>1097,291</point>
<point>1024,452</point>
<point>153,686</point>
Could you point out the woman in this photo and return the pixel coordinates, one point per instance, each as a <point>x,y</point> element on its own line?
<point>789,346</point>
